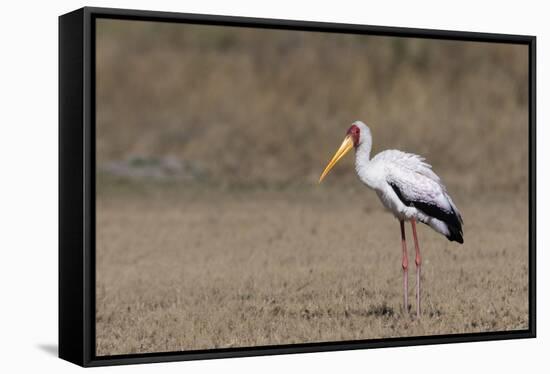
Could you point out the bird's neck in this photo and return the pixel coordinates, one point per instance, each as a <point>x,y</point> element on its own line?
<point>362,152</point>
<point>362,161</point>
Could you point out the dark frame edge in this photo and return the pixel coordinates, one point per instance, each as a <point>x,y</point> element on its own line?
<point>71,299</point>
<point>295,24</point>
<point>88,142</point>
<point>306,348</point>
<point>533,186</point>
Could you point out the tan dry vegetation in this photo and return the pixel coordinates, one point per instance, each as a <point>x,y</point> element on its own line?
<point>269,106</point>
<point>247,250</point>
<point>215,270</point>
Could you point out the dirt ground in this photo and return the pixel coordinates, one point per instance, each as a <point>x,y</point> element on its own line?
<point>190,268</point>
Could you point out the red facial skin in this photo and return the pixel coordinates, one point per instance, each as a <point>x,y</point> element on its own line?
<point>354,132</point>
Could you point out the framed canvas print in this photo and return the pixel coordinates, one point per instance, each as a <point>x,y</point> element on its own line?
<point>236,186</point>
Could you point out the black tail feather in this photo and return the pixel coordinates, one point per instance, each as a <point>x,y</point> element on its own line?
<point>455,234</point>
<point>451,218</point>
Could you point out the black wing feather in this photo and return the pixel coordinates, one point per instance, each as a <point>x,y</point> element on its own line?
<point>451,218</point>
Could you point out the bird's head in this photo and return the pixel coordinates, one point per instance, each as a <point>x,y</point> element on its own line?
<point>358,132</point>
<point>356,135</point>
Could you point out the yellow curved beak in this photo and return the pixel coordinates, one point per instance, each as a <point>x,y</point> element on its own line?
<point>347,144</point>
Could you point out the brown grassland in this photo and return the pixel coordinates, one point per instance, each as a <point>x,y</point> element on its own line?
<point>211,229</point>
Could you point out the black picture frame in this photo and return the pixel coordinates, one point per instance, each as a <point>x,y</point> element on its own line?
<point>77,185</point>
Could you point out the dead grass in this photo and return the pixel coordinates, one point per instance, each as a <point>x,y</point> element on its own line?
<point>183,271</point>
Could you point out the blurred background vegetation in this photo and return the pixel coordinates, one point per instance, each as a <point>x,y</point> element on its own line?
<point>221,106</point>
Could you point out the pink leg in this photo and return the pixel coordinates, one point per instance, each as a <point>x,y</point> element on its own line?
<point>418,262</point>
<point>405,265</point>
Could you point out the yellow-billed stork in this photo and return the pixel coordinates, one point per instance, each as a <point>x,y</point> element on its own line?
<point>408,188</point>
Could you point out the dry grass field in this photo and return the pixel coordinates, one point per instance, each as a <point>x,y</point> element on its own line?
<point>194,270</point>
<point>211,229</point>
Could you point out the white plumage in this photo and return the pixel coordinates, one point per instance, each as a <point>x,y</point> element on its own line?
<point>399,178</point>
<point>406,186</point>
